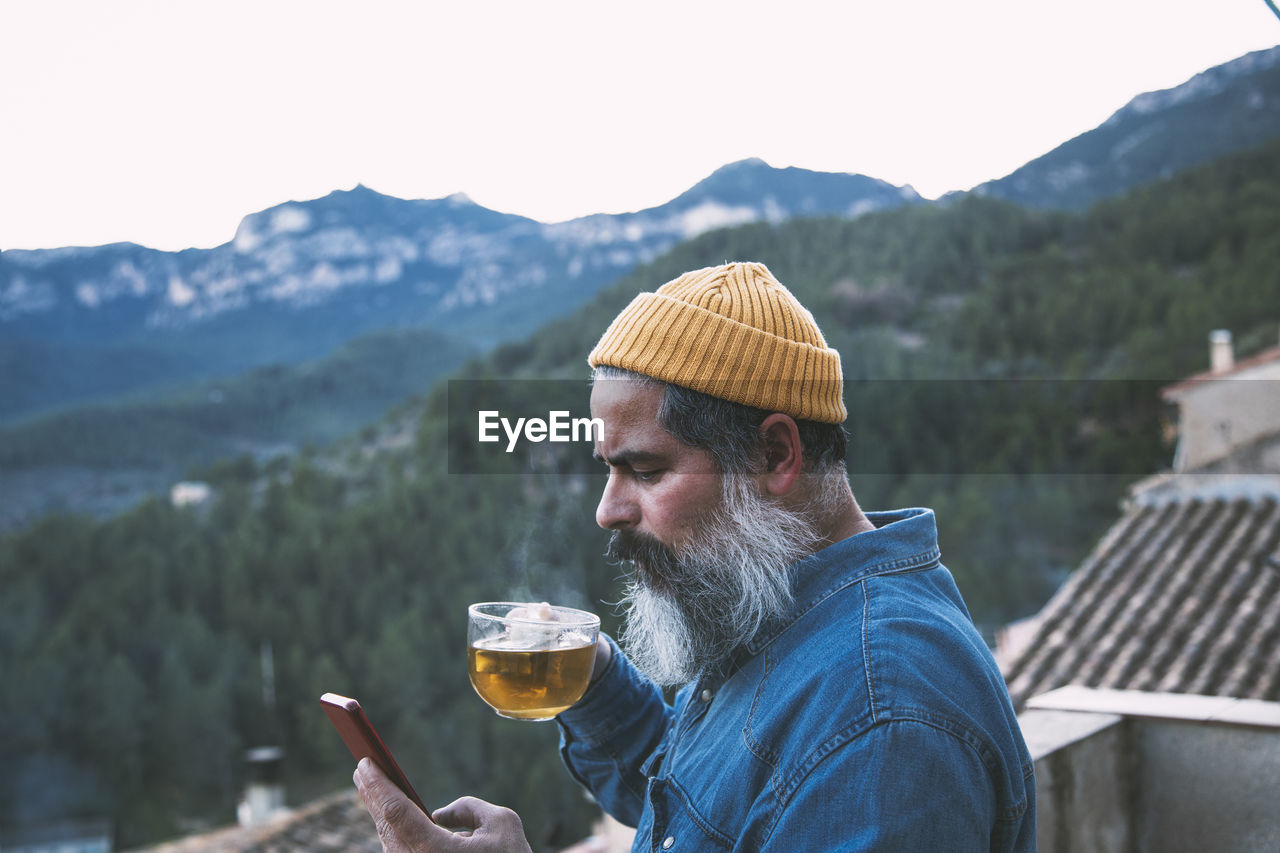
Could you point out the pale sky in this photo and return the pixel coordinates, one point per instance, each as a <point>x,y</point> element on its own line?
<point>164,123</point>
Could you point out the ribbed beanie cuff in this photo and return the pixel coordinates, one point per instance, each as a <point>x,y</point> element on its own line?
<point>733,332</point>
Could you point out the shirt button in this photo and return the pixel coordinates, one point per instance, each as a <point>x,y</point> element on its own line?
<point>668,841</point>
<point>706,695</point>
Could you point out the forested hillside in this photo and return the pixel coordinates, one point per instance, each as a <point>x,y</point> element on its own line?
<point>134,446</point>
<point>1002,369</point>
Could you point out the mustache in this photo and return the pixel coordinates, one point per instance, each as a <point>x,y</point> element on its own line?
<point>628,546</point>
<point>653,560</point>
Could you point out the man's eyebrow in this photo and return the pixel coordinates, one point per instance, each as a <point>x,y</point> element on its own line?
<point>627,457</point>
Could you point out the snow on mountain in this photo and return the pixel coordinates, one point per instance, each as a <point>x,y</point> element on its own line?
<point>302,277</point>
<point>375,260</point>
<point>711,214</point>
<point>1203,85</point>
<point>33,282</point>
<point>450,252</point>
<point>20,294</point>
<point>253,230</point>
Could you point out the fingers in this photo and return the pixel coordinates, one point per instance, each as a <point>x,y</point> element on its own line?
<point>401,825</point>
<point>403,828</point>
<point>472,813</point>
<point>492,827</point>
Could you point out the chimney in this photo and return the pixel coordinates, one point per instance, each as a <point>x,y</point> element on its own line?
<point>1221,356</point>
<point>264,794</point>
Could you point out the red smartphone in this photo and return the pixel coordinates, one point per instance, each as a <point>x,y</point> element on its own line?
<point>358,734</point>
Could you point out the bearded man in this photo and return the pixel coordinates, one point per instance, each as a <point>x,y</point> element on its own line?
<point>834,693</point>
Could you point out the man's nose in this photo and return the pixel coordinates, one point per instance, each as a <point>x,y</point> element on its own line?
<point>617,509</point>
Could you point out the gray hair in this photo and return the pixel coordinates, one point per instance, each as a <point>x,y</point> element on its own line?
<point>689,606</point>
<point>730,432</point>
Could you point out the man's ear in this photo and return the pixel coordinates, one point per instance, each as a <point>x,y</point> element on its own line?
<point>784,453</point>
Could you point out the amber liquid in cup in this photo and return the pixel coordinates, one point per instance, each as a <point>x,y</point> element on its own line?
<point>528,668</point>
<point>530,685</point>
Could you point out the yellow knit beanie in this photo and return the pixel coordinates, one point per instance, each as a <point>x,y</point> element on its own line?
<point>733,332</point>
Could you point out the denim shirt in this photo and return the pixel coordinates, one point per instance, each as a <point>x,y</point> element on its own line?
<point>871,717</point>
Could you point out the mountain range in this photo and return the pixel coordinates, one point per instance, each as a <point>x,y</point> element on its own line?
<point>1227,108</point>
<point>303,278</point>
<point>320,314</point>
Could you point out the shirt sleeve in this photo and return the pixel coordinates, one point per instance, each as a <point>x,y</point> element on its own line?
<point>902,785</point>
<point>606,738</point>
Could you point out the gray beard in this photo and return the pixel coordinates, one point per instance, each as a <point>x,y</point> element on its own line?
<point>689,607</point>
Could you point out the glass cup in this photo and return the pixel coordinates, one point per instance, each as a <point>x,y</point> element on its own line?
<point>530,661</point>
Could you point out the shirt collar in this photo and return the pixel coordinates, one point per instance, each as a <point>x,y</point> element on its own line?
<point>903,540</point>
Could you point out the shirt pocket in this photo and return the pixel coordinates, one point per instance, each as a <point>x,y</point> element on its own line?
<point>652,765</point>
<point>676,826</point>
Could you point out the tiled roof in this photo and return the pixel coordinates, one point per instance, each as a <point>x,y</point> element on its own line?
<point>1180,597</point>
<point>336,823</point>
<point>1243,366</point>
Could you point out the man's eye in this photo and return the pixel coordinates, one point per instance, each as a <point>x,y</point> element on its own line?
<point>646,476</point>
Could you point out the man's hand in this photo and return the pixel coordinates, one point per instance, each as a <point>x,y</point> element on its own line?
<point>403,828</point>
